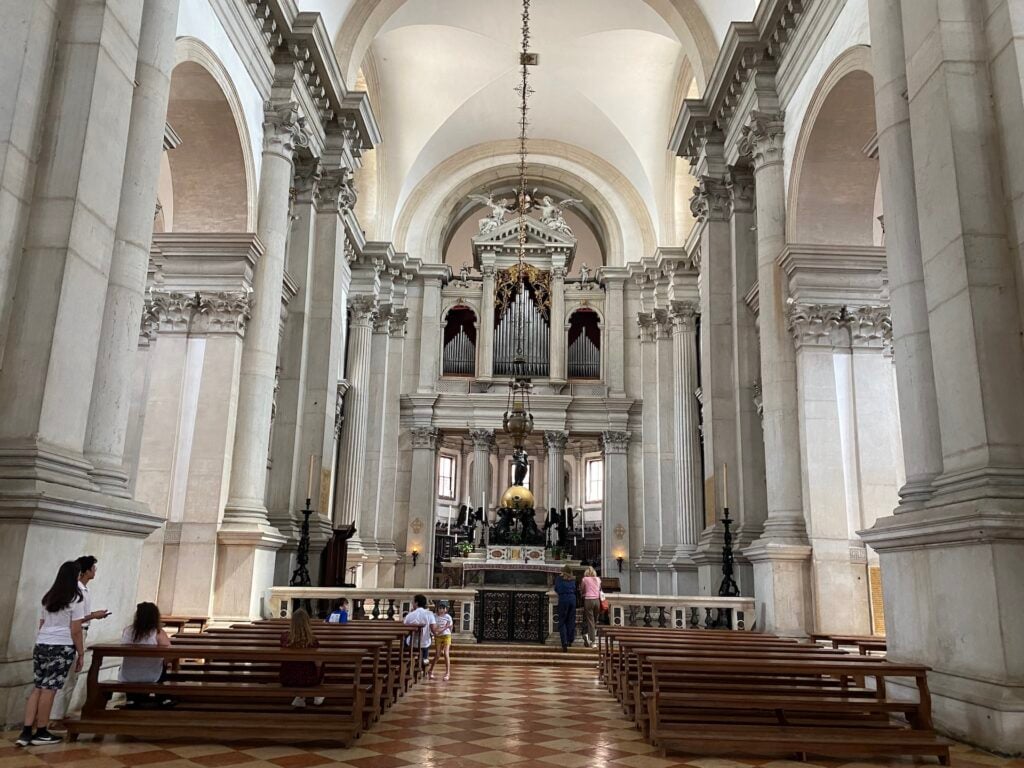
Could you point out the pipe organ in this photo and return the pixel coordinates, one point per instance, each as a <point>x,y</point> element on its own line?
<point>584,359</point>
<point>459,355</point>
<point>522,318</point>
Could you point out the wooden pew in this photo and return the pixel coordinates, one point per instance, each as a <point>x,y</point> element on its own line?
<point>230,709</point>
<point>181,623</point>
<point>764,706</point>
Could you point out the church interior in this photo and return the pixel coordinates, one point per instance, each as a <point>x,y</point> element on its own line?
<point>686,335</point>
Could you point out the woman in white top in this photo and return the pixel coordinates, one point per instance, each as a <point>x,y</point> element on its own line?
<point>59,646</point>
<point>146,629</point>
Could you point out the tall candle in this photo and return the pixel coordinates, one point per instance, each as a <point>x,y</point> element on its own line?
<point>450,513</point>
<point>725,486</point>
<point>309,480</point>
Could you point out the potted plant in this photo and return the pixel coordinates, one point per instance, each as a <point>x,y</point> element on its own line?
<point>464,548</point>
<point>556,552</point>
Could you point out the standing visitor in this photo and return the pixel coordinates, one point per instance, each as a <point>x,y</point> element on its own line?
<point>444,640</point>
<point>340,614</point>
<point>146,629</point>
<point>421,617</point>
<point>565,588</point>
<point>62,705</point>
<point>59,647</point>
<point>590,586</point>
<point>301,674</point>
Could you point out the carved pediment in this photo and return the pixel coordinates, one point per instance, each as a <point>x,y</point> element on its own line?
<point>539,236</point>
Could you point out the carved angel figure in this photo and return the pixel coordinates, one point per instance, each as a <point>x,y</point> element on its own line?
<point>499,209</point>
<point>584,273</point>
<point>551,213</point>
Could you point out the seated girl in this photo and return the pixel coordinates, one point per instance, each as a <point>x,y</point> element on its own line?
<point>145,629</point>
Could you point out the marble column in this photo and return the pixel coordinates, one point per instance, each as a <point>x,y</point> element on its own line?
<point>676,568</point>
<point>684,356</point>
<point>952,571</point>
<point>485,324</point>
<point>483,444</point>
<point>555,441</point>
<point>615,523</point>
<point>559,334</point>
<point>108,412</point>
<point>430,335</point>
<point>915,376</point>
<point>245,561</point>
<point>422,495</point>
<point>614,334</point>
<point>781,555</point>
<point>650,457</point>
<point>352,452</point>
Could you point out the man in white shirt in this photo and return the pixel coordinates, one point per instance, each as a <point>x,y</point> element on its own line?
<point>63,705</point>
<point>421,617</point>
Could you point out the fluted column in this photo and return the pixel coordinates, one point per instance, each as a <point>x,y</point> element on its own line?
<point>246,507</point>
<point>555,441</point>
<point>483,443</point>
<point>485,324</point>
<point>559,337</point>
<point>915,376</point>
<point>615,522</point>
<point>430,335</point>
<point>108,412</point>
<point>352,454</point>
<point>781,555</point>
<point>684,356</point>
<point>422,498</point>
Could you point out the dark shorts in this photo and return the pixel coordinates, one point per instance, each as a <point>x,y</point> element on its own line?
<point>51,664</point>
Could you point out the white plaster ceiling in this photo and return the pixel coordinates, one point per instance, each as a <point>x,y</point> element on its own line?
<point>610,81</point>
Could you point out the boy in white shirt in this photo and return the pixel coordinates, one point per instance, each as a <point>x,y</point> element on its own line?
<point>421,617</point>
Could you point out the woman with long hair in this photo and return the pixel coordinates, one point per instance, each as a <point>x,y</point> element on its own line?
<point>590,586</point>
<point>59,645</point>
<point>301,674</point>
<point>146,629</point>
<point>565,588</point>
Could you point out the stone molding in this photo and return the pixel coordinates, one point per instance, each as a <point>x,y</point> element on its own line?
<point>555,438</point>
<point>200,313</point>
<point>424,437</point>
<point>740,186</point>
<point>816,324</point>
<point>710,200</point>
<point>482,438</point>
<point>762,138</point>
<point>614,442</point>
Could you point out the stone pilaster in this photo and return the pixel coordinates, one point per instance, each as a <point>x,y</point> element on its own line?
<point>430,335</point>
<point>615,522</point>
<point>352,452</point>
<point>780,556</point>
<point>485,324</point>
<point>555,441</point>
<point>116,358</point>
<point>614,336</point>
<point>915,376</point>
<point>248,541</point>
<point>559,332</point>
<point>647,564</point>
<point>422,495</point>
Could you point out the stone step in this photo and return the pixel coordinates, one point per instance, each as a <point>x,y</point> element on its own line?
<point>525,655</point>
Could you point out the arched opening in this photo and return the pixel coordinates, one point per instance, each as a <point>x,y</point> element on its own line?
<point>458,357</point>
<point>833,193</point>
<point>584,359</point>
<point>207,185</point>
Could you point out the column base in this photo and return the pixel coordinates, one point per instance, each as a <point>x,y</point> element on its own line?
<point>246,555</point>
<point>951,576</point>
<point>840,571</point>
<point>666,571</point>
<point>42,525</point>
<point>111,480</point>
<point>782,586</point>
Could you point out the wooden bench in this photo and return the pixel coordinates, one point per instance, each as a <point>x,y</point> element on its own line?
<point>228,709</point>
<point>766,706</point>
<point>181,623</point>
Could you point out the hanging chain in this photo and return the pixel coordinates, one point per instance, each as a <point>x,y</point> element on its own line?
<point>524,90</point>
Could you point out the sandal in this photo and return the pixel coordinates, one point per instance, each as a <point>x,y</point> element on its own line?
<point>445,678</point>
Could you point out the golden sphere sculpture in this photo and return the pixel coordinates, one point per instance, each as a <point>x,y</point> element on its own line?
<point>517,497</point>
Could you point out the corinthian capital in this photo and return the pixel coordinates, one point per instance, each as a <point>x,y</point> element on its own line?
<point>284,128</point>
<point>336,190</point>
<point>556,439</point>
<point>222,312</point>
<point>813,324</point>
<point>741,191</point>
<point>424,437</point>
<point>871,327</point>
<point>482,438</point>
<point>710,199</point>
<point>684,316</point>
<point>364,310</point>
<point>614,442</point>
<point>762,138</point>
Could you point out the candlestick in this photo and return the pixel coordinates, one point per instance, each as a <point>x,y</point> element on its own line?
<point>450,513</point>
<point>725,486</point>
<point>309,480</point>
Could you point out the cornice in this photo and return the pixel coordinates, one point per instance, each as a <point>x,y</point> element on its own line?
<point>835,274</point>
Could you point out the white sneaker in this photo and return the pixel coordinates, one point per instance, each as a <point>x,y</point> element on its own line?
<point>318,700</point>
<point>298,702</point>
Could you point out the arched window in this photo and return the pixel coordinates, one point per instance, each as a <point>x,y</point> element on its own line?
<point>459,355</point>
<point>584,345</point>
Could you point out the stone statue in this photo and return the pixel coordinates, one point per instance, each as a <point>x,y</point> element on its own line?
<point>584,273</point>
<point>499,209</point>
<point>464,274</point>
<point>519,466</point>
<point>551,213</point>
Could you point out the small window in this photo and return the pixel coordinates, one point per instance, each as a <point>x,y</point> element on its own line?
<point>595,480</point>
<point>446,477</point>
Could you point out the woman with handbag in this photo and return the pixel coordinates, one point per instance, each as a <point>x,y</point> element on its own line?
<point>590,586</point>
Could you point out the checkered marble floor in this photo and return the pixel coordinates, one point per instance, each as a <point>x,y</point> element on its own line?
<point>486,715</point>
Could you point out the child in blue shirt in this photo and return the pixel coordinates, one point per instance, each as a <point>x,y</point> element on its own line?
<point>340,614</point>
